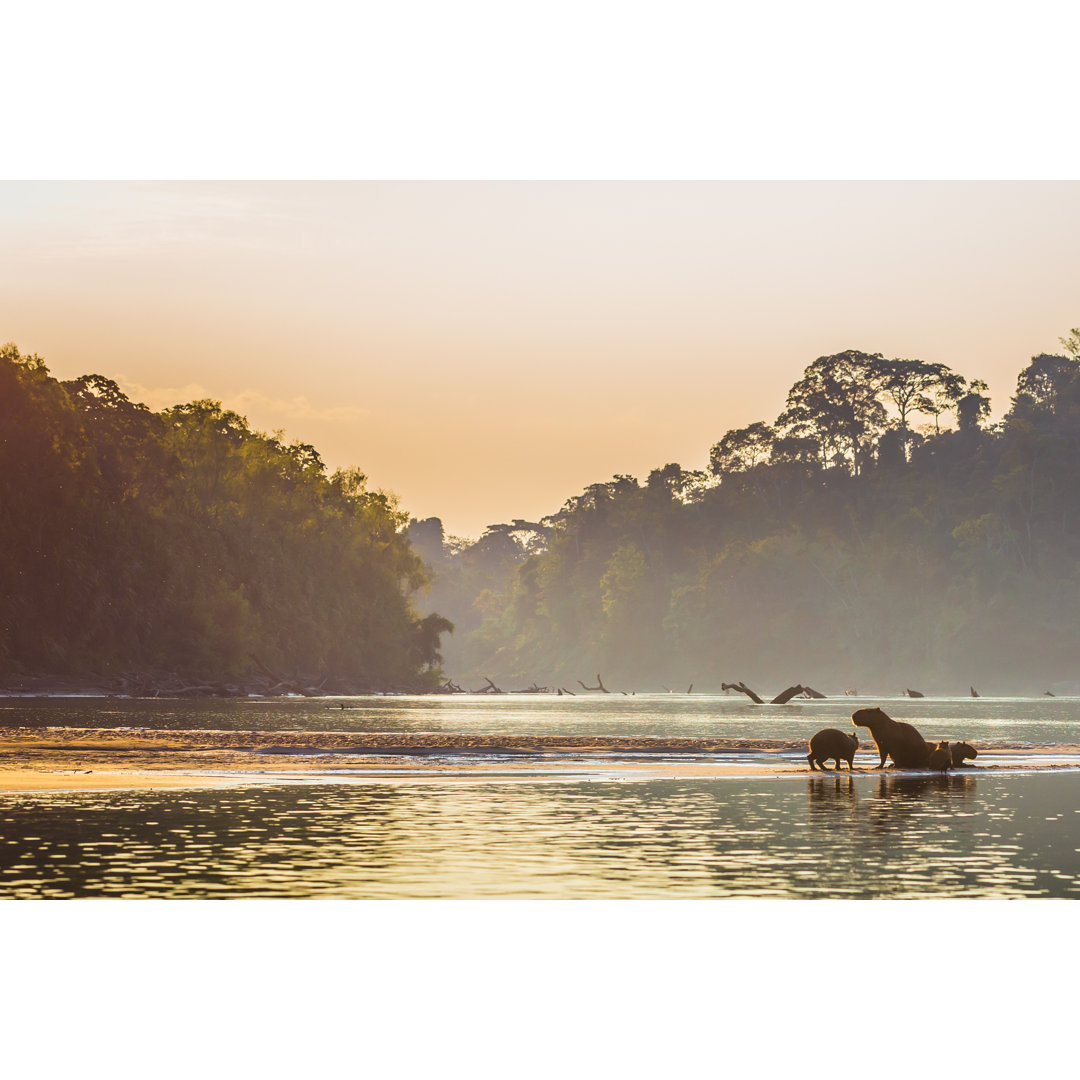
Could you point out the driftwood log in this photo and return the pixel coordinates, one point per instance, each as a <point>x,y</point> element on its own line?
<point>599,686</point>
<point>787,695</point>
<point>743,689</point>
<point>449,687</point>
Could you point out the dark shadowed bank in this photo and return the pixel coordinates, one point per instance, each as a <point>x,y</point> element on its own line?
<point>181,552</point>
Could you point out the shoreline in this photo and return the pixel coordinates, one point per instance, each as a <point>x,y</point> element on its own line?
<point>53,760</point>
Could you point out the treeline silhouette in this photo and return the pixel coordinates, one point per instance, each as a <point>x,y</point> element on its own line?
<point>839,546</point>
<point>183,542</point>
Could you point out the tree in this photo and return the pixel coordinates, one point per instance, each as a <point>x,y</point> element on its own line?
<point>673,482</point>
<point>973,408</point>
<point>429,539</point>
<point>125,435</point>
<point>916,386</point>
<point>741,449</point>
<point>1044,380</point>
<point>1072,343</point>
<point>836,403</point>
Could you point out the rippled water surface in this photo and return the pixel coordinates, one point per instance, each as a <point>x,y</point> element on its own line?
<point>622,834</point>
<point>863,836</point>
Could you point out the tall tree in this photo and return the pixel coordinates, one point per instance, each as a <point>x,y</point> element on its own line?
<point>916,386</point>
<point>836,403</point>
<point>741,449</point>
<point>1043,382</point>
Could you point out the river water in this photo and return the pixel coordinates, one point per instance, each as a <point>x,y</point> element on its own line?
<point>563,834</point>
<point>1011,721</point>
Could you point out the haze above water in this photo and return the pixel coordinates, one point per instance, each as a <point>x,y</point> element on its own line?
<point>1019,721</point>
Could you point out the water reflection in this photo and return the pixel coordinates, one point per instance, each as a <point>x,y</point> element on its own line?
<point>830,792</point>
<point>854,836</point>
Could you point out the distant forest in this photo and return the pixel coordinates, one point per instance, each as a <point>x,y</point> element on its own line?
<point>880,534</point>
<point>185,544</point>
<point>842,546</point>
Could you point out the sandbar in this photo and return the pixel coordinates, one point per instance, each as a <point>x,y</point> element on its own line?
<point>68,759</point>
<point>41,760</point>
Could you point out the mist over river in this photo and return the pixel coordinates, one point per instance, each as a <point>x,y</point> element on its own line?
<point>1013,721</point>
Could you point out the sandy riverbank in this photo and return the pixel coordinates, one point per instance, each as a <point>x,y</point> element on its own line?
<point>84,759</point>
<point>70,759</point>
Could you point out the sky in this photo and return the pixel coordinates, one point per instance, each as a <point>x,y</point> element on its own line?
<point>485,350</point>
<point>492,254</point>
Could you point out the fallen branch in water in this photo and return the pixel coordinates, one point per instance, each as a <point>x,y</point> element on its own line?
<point>601,687</point>
<point>743,689</point>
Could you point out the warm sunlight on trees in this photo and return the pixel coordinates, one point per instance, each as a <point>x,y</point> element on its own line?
<point>186,541</point>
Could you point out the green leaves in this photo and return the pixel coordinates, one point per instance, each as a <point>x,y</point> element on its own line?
<point>187,541</point>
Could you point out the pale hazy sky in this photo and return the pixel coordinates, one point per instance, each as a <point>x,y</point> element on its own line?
<point>486,350</point>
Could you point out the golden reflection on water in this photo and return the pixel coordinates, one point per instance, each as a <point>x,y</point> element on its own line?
<point>820,836</point>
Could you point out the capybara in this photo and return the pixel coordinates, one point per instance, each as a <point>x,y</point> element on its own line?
<point>832,743</point>
<point>961,750</point>
<point>895,739</point>
<point>941,758</point>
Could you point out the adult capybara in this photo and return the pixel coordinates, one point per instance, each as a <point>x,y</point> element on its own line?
<point>961,750</point>
<point>895,739</point>
<point>832,743</point>
<point>941,758</point>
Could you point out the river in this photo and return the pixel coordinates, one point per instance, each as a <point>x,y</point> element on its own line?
<point>979,832</point>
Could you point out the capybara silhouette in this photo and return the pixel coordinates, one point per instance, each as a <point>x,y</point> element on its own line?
<point>961,750</point>
<point>835,744</point>
<point>941,758</point>
<point>895,739</point>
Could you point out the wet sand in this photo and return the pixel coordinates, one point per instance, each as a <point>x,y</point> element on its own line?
<point>91,759</point>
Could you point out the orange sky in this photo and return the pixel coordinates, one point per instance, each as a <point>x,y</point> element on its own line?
<point>487,349</point>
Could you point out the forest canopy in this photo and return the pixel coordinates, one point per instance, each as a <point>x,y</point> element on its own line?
<point>183,541</point>
<point>878,533</point>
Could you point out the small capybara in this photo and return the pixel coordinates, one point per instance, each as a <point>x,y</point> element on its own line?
<point>835,744</point>
<point>961,750</point>
<point>895,739</point>
<point>941,758</point>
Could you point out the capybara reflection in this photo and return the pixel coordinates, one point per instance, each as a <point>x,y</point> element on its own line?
<point>835,744</point>
<point>941,758</point>
<point>895,739</point>
<point>961,750</point>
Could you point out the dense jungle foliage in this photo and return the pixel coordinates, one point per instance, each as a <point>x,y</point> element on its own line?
<point>838,547</point>
<point>183,541</point>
